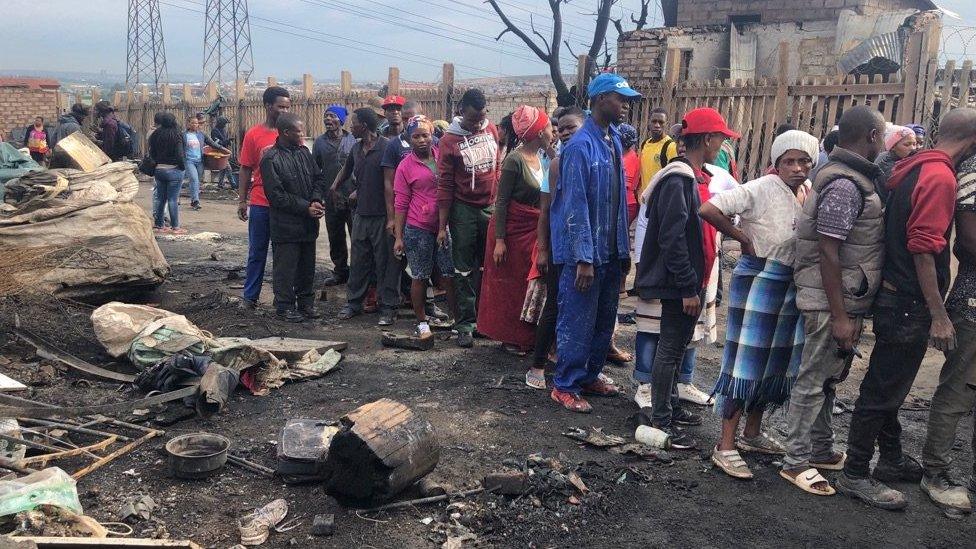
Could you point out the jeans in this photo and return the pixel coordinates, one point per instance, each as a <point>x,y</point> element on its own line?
<point>338,222</point>
<point>584,325</point>
<point>166,194</point>
<point>258,239</point>
<point>953,399</point>
<point>809,435</point>
<point>469,230</point>
<point>231,178</point>
<point>372,257</point>
<point>293,273</point>
<point>677,329</point>
<point>901,329</point>
<point>644,365</point>
<point>194,172</point>
<point>545,333</point>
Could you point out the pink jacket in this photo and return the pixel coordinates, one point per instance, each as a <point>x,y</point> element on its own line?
<point>415,192</point>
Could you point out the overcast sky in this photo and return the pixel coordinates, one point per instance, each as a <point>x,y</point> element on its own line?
<point>322,37</point>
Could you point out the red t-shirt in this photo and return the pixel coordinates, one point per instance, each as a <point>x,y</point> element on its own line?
<point>632,167</point>
<point>257,140</point>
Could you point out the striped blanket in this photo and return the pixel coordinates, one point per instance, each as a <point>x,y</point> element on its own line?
<point>764,339</point>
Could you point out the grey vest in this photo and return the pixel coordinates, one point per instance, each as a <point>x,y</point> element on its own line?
<point>861,255</point>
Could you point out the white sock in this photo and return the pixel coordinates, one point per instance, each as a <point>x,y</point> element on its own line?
<point>423,328</point>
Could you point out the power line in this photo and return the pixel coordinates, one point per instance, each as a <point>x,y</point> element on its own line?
<point>403,24</point>
<point>480,15</point>
<point>521,21</point>
<point>419,59</point>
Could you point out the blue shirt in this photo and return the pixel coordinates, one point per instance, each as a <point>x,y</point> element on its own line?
<point>194,146</point>
<point>579,219</point>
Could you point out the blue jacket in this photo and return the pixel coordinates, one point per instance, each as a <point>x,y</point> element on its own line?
<point>579,219</point>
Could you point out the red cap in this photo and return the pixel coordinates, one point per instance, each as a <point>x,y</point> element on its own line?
<point>706,120</point>
<point>394,101</point>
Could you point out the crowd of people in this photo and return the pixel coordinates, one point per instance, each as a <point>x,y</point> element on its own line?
<point>531,230</point>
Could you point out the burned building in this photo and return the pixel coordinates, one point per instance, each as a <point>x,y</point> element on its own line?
<point>740,39</point>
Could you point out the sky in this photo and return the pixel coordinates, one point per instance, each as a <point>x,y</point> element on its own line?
<point>323,37</point>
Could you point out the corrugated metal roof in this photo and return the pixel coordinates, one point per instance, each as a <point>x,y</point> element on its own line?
<point>887,46</point>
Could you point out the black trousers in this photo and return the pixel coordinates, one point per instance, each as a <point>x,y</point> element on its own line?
<point>677,329</point>
<point>901,329</point>
<point>338,223</point>
<point>545,332</point>
<point>293,274</point>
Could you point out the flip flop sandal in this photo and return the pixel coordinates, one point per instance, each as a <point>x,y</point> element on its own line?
<point>412,343</point>
<point>806,479</point>
<point>760,444</point>
<point>535,381</point>
<point>836,465</point>
<point>732,463</point>
<point>440,324</point>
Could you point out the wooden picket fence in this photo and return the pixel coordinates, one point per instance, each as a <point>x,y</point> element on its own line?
<point>919,93</point>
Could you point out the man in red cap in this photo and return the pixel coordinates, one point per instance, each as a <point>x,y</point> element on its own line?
<point>393,112</point>
<point>672,263</point>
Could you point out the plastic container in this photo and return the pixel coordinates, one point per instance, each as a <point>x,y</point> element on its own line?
<point>52,486</point>
<point>653,437</point>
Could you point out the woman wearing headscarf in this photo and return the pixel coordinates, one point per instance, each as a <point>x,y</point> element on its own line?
<point>764,338</point>
<point>415,221</point>
<point>508,258</point>
<point>900,142</point>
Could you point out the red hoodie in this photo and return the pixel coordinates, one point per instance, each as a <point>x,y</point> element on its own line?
<point>932,202</point>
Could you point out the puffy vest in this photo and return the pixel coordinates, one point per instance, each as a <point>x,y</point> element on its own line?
<point>861,255</point>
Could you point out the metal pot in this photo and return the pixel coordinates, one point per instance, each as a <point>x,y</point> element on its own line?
<point>197,455</point>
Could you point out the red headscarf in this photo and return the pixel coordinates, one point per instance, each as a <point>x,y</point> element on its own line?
<point>529,122</point>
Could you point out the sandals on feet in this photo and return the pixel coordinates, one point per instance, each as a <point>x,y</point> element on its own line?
<point>836,462</point>
<point>732,463</point>
<point>760,444</point>
<point>806,479</point>
<point>536,381</point>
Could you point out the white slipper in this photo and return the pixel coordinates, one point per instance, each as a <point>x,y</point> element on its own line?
<point>806,479</point>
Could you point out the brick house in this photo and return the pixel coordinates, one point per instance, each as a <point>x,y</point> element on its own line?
<point>740,39</point>
<point>23,99</point>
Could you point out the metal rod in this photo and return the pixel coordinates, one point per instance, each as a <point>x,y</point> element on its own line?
<point>250,465</point>
<point>73,428</point>
<point>31,444</point>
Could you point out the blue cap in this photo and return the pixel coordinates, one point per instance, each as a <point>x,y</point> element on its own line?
<point>609,82</point>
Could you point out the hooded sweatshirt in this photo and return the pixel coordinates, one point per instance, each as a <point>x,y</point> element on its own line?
<point>467,166</point>
<point>673,252</point>
<point>918,219</point>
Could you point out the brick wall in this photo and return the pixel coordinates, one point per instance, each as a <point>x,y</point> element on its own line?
<point>718,12</point>
<point>19,106</point>
<point>641,54</point>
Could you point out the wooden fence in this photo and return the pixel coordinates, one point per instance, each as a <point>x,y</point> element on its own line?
<point>244,111</point>
<point>919,93</point>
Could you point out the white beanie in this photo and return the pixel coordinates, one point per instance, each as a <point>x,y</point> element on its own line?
<point>795,139</point>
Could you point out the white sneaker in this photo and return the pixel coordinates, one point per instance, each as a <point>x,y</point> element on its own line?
<point>642,396</point>
<point>689,393</point>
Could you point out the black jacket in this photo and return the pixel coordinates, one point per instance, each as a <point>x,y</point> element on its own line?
<point>292,181</point>
<point>167,151</point>
<point>672,262</point>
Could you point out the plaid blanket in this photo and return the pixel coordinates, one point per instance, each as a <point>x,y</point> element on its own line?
<point>764,339</point>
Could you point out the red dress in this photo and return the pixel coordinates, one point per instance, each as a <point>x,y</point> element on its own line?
<point>503,287</point>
